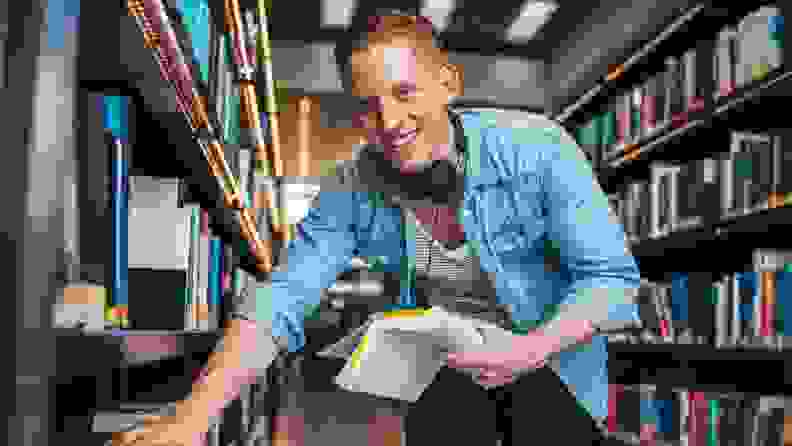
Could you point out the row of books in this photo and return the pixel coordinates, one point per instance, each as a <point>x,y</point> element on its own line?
<point>749,50</point>
<point>754,175</point>
<point>664,416</point>
<point>749,308</point>
<point>745,52</point>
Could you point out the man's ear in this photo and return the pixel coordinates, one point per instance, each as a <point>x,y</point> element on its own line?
<point>452,77</point>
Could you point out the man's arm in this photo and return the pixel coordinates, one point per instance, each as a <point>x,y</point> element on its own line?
<point>590,243</point>
<point>274,312</point>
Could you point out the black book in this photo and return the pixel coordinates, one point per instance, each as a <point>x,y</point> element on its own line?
<point>761,173</point>
<point>645,199</point>
<point>775,423</point>
<point>699,297</point>
<point>686,209</point>
<point>749,411</point>
<point>664,201</point>
<point>647,309</point>
<point>743,170</point>
<point>629,411</point>
<point>782,164</point>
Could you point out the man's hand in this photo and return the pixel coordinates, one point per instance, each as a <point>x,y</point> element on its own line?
<point>180,429</point>
<point>509,355</point>
<point>506,359</point>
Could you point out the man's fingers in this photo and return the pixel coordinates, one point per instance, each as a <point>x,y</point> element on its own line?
<point>474,360</point>
<point>133,436</point>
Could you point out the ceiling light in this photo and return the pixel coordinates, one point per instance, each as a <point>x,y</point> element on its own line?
<point>438,11</point>
<point>337,12</point>
<point>533,16</point>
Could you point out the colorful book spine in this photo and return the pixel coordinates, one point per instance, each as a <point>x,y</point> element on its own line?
<point>713,437</point>
<point>203,272</point>
<point>614,394</point>
<point>215,276</point>
<point>767,310</point>
<point>116,125</point>
<point>679,305</point>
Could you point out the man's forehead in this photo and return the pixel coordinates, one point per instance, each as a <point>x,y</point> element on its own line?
<point>386,66</point>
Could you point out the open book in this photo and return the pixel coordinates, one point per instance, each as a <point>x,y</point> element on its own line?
<point>397,355</point>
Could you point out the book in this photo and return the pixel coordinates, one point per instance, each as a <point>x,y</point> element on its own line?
<point>722,313</point>
<point>203,272</point>
<point>409,348</point>
<point>116,110</point>
<point>192,312</point>
<point>675,88</point>
<point>679,307</point>
<point>663,195</point>
<point>760,45</point>
<point>693,89</point>
<point>781,191</point>
<point>747,290</point>
<point>725,64</point>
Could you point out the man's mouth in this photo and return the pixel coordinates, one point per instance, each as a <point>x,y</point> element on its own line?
<point>403,137</point>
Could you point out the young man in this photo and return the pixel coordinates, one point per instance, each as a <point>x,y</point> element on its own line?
<point>505,204</point>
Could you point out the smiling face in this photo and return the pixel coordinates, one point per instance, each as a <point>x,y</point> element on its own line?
<point>407,84</point>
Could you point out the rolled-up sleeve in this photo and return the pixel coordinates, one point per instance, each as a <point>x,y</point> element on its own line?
<point>324,247</point>
<point>590,241</point>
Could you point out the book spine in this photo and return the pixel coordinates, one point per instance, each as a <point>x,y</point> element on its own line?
<point>722,314</point>
<point>636,104</point>
<point>215,280</point>
<point>195,239</point>
<point>203,272</point>
<point>713,437</point>
<point>614,394</point>
<point>767,306</point>
<point>116,125</point>
<point>623,121</point>
<point>649,104</point>
<point>693,101</point>
<point>245,169</point>
<point>684,418</point>
<point>675,88</point>
<point>679,305</point>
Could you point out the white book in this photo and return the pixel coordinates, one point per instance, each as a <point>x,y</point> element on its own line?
<point>159,238</point>
<point>245,169</point>
<point>684,413</point>
<point>757,53</point>
<point>722,316</point>
<point>725,61</point>
<point>203,279</point>
<point>663,189</point>
<point>399,357</point>
<point>690,86</point>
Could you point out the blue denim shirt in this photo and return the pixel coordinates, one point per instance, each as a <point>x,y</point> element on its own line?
<point>530,195</point>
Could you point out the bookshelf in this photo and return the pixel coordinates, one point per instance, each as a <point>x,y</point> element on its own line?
<point>703,18</point>
<point>705,367</point>
<point>695,219</point>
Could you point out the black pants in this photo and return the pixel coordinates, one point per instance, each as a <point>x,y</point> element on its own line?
<point>536,410</point>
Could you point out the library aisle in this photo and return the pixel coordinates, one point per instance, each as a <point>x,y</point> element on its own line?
<point>162,154</point>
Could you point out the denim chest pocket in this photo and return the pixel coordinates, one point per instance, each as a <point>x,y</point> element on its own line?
<point>511,214</point>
